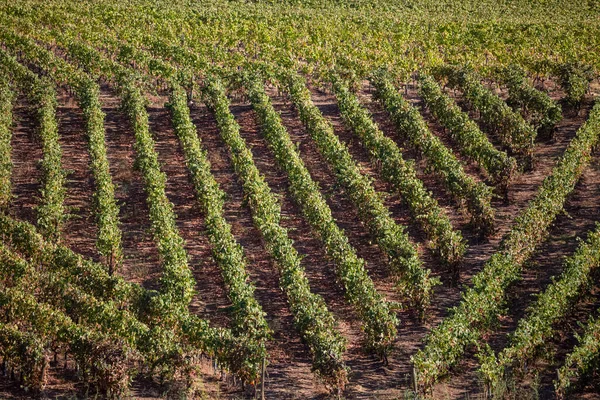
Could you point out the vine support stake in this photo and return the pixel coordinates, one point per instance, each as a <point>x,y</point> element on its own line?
<point>414,375</point>
<point>262,379</point>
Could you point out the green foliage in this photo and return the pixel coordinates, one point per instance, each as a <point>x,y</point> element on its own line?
<point>6,121</point>
<point>411,125</point>
<point>550,307</point>
<point>472,142</point>
<point>574,78</point>
<point>401,174</point>
<point>51,211</point>
<point>512,130</point>
<point>107,210</point>
<point>25,351</point>
<point>177,282</point>
<point>364,34</point>
<point>581,361</point>
<point>378,320</point>
<point>482,303</point>
<point>543,112</point>
<point>104,360</point>
<point>248,317</point>
<point>413,280</point>
<point>311,316</point>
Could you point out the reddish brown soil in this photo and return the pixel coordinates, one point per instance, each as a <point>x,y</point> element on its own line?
<point>80,231</point>
<point>26,153</point>
<point>289,374</point>
<point>141,262</point>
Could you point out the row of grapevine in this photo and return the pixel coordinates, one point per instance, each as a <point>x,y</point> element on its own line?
<point>57,288</point>
<point>512,130</point>
<point>93,278</point>
<point>476,195</point>
<point>544,113</point>
<point>242,357</point>
<point>164,344</point>
<point>51,211</point>
<point>177,282</point>
<point>23,354</point>
<point>378,320</point>
<point>107,212</point>
<point>103,359</point>
<point>582,360</point>
<point>249,323</point>
<point>6,120</point>
<point>472,142</point>
<point>87,94</point>
<point>247,315</point>
<point>313,320</point>
<point>574,78</point>
<point>550,307</point>
<point>483,302</point>
<point>401,174</point>
<point>55,279</point>
<point>328,362</point>
<point>414,281</point>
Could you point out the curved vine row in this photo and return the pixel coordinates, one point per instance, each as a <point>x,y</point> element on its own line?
<point>483,302</point>
<point>57,289</point>
<point>94,280</point>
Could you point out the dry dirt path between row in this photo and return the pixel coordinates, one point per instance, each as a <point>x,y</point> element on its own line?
<point>80,231</point>
<point>140,261</point>
<point>26,153</point>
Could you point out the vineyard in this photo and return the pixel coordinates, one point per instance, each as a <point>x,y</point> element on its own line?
<point>299,199</point>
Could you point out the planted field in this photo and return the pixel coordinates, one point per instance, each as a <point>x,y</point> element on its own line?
<point>249,199</point>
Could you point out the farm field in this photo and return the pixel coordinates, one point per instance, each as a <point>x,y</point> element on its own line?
<point>299,200</point>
